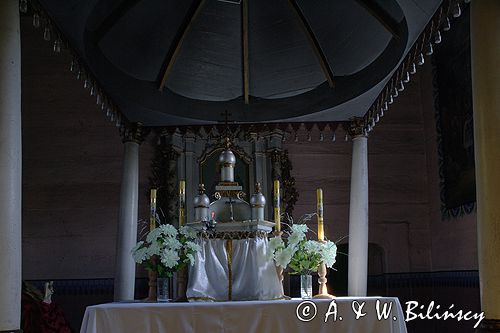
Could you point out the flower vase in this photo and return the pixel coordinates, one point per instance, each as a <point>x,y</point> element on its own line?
<point>306,286</point>
<point>162,289</point>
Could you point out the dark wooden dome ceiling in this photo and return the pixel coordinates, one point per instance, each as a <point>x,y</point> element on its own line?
<point>177,62</point>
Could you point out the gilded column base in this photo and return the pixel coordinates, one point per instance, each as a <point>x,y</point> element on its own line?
<point>279,269</point>
<point>489,326</point>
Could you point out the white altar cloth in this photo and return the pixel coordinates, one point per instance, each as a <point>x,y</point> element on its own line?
<point>241,273</point>
<point>245,316</point>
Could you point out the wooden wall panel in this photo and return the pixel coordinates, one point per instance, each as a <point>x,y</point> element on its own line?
<point>72,163</point>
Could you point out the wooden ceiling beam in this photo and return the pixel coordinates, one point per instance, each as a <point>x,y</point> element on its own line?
<point>325,66</point>
<point>176,45</point>
<point>116,14</point>
<point>244,42</point>
<point>375,10</point>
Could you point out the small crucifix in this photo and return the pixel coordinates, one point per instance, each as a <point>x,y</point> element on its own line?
<point>226,115</point>
<point>231,214</point>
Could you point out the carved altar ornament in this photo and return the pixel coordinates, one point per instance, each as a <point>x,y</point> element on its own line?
<point>201,203</point>
<point>258,203</point>
<point>227,161</point>
<point>233,262</point>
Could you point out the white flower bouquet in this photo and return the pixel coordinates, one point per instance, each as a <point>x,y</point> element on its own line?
<point>302,256</point>
<point>166,249</point>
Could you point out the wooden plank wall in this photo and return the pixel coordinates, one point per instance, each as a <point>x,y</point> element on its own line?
<point>72,159</point>
<point>72,162</point>
<point>403,185</point>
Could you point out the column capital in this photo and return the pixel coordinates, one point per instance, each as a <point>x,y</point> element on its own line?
<point>275,155</point>
<point>276,161</point>
<point>169,152</point>
<point>356,128</point>
<point>134,132</point>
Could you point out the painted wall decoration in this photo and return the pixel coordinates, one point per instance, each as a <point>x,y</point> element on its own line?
<point>454,116</point>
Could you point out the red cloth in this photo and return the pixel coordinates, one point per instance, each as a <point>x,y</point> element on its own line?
<point>40,317</point>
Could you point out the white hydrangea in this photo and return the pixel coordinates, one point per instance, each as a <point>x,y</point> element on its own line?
<point>283,256</point>
<point>312,246</point>
<point>168,230</point>
<point>172,243</point>
<point>275,243</point>
<point>190,258</point>
<point>169,258</point>
<point>166,243</point>
<point>299,228</point>
<point>295,238</point>
<point>192,246</point>
<point>329,253</point>
<point>155,248</point>
<point>188,232</point>
<point>153,235</point>
<point>140,253</point>
<point>137,246</point>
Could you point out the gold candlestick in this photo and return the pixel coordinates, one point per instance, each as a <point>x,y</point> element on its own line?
<point>321,230</point>
<point>152,215</point>
<point>279,269</point>
<point>322,280</point>
<point>152,276</point>
<point>277,211</point>
<point>322,271</point>
<point>181,285</point>
<point>182,202</point>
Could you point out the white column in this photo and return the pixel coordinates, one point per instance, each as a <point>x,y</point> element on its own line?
<point>127,224</point>
<point>10,167</point>
<point>485,52</point>
<point>358,218</point>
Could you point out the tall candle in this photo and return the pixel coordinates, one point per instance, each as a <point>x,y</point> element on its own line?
<point>277,211</point>
<point>321,230</point>
<point>152,206</point>
<point>182,202</point>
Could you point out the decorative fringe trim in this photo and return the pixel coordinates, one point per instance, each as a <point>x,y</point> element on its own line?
<point>415,56</point>
<point>51,31</point>
<point>430,34</point>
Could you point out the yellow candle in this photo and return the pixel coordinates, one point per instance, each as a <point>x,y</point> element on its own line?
<point>182,202</point>
<point>152,216</point>
<point>277,212</point>
<point>321,230</point>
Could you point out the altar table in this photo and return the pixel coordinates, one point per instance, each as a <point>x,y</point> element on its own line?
<point>246,316</point>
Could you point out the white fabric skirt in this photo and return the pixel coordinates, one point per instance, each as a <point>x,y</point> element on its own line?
<point>235,269</point>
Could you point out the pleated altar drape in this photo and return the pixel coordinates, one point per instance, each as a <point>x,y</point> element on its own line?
<point>233,269</point>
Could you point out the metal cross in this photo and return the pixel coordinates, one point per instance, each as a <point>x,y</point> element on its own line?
<point>230,203</point>
<point>226,115</point>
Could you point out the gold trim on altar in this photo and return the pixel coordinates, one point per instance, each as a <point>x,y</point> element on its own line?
<point>229,251</point>
<point>229,235</point>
